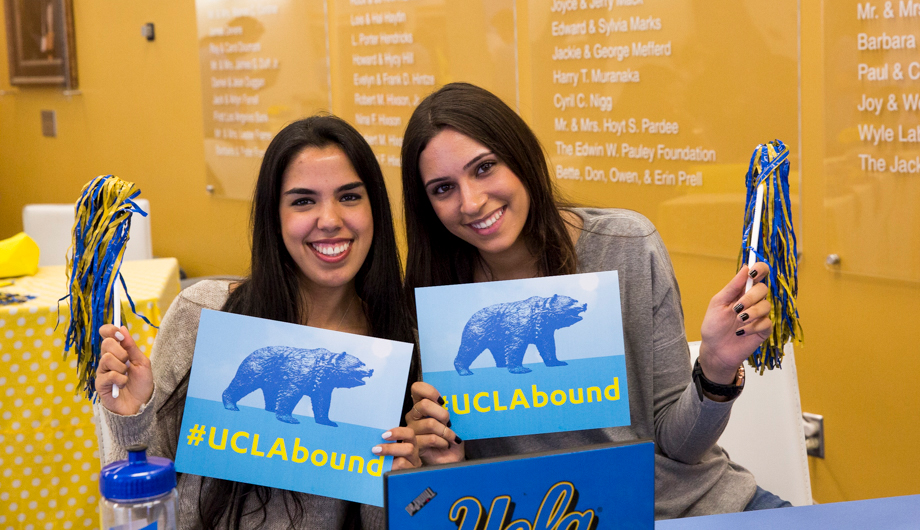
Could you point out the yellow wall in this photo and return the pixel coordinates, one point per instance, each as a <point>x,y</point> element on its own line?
<point>139,115</point>
<point>858,365</point>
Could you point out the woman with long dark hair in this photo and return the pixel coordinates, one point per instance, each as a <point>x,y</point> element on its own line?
<point>324,255</point>
<point>480,205</point>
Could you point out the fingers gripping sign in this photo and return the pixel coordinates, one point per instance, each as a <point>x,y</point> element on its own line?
<point>405,454</point>
<point>122,363</point>
<point>736,323</point>
<point>430,421</point>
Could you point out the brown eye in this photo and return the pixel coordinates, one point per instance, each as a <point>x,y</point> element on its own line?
<point>485,167</point>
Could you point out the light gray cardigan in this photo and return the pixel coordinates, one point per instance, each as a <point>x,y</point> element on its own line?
<point>693,475</point>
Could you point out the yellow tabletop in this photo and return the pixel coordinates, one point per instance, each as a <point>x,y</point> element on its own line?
<point>49,460</point>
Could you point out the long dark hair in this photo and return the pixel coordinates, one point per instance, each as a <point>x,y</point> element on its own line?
<point>437,257</point>
<point>273,289</point>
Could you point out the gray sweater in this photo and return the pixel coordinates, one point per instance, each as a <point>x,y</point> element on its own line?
<point>171,358</point>
<point>693,475</point>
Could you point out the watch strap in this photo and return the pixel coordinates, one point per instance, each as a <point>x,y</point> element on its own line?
<point>702,384</point>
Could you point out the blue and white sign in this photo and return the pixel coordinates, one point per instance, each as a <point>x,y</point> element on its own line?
<point>291,407</point>
<point>526,356</point>
<point>607,486</point>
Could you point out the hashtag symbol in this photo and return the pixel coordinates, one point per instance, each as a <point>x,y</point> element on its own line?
<point>197,434</point>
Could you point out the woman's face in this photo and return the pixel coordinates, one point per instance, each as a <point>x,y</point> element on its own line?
<point>326,221</point>
<point>474,194</point>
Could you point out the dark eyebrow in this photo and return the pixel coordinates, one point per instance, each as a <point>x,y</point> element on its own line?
<point>306,191</point>
<point>348,187</point>
<point>476,159</point>
<point>299,191</point>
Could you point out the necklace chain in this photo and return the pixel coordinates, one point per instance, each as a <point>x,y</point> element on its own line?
<point>345,314</point>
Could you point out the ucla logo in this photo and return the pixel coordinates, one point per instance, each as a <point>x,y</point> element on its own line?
<point>556,513</point>
<point>507,329</point>
<point>287,374</point>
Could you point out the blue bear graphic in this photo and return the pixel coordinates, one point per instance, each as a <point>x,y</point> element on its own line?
<point>286,374</point>
<point>507,329</point>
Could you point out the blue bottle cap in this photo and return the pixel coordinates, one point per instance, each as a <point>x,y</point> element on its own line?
<point>138,477</point>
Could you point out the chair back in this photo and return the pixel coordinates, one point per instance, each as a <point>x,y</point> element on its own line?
<point>51,226</point>
<point>765,433</point>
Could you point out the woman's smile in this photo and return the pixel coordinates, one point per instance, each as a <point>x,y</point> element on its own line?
<point>490,224</point>
<point>332,250</point>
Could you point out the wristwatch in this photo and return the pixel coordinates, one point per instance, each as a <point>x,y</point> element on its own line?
<point>702,384</point>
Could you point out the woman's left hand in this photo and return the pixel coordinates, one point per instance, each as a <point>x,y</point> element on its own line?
<point>405,454</point>
<point>736,323</point>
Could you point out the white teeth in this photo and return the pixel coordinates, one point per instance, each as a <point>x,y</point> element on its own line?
<point>331,250</point>
<point>490,221</point>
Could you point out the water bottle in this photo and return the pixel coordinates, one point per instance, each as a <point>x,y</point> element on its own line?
<point>138,493</point>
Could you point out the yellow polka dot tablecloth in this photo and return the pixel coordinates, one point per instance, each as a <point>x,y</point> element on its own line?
<point>49,459</point>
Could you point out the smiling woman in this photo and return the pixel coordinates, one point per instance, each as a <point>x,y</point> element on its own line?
<point>476,148</point>
<point>480,205</point>
<point>323,255</point>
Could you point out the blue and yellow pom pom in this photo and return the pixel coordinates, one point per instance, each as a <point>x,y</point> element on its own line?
<point>771,238</point>
<point>100,234</point>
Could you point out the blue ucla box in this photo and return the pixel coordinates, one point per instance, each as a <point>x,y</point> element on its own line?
<point>291,407</point>
<point>594,488</point>
<point>526,356</point>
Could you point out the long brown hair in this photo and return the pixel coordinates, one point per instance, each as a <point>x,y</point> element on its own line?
<point>437,257</point>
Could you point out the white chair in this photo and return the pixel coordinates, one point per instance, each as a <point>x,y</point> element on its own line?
<point>51,226</point>
<point>107,451</point>
<point>765,433</point>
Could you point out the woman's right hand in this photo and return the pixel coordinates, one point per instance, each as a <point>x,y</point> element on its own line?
<point>134,379</point>
<point>437,444</point>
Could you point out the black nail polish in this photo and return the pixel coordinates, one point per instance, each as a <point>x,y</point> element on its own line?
<point>738,307</point>
<point>754,273</point>
<point>744,316</point>
<point>440,401</point>
<point>448,423</point>
<point>457,440</point>
<point>739,332</point>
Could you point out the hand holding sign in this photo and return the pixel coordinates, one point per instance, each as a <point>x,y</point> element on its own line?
<point>430,421</point>
<point>405,455</point>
